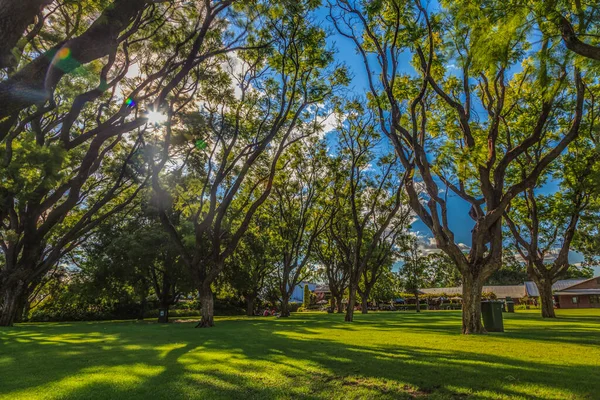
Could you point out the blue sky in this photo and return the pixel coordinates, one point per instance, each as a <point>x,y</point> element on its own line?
<point>458,209</point>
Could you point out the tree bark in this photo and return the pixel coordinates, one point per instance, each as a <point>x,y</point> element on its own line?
<point>350,308</point>
<point>418,305</point>
<point>142,313</point>
<point>15,16</point>
<point>471,313</point>
<point>250,305</point>
<point>332,305</point>
<point>573,43</point>
<point>340,304</point>
<point>285,309</point>
<point>34,83</point>
<point>207,306</point>
<point>21,306</point>
<point>546,298</point>
<point>10,299</point>
<point>364,305</point>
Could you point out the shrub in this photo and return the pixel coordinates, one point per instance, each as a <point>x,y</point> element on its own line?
<point>294,307</point>
<point>413,307</point>
<point>306,299</point>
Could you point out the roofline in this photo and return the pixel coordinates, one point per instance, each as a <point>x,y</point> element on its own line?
<point>576,292</point>
<point>579,283</point>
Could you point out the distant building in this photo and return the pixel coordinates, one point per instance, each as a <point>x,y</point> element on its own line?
<point>298,293</point>
<point>532,289</point>
<point>321,291</point>
<point>568,293</point>
<point>581,294</point>
<point>516,292</point>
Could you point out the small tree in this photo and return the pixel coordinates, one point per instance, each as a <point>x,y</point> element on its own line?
<point>413,269</point>
<point>306,300</point>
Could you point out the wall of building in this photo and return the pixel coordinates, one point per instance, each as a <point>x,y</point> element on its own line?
<point>583,302</point>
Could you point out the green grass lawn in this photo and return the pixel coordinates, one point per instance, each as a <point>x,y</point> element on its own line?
<point>310,355</point>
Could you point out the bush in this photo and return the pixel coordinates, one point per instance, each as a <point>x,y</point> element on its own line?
<point>294,307</point>
<point>175,313</point>
<point>413,307</point>
<point>224,307</point>
<point>306,300</point>
<point>526,307</point>
<point>451,306</point>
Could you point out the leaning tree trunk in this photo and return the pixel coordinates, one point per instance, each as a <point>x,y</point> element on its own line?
<point>340,304</point>
<point>471,312</point>
<point>546,298</point>
<point>250,305</point>
<point>10,300</point>
<point>207,307</point>
<point>350,308</point>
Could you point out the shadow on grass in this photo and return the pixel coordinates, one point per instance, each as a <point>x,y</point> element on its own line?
<point>300,357</point>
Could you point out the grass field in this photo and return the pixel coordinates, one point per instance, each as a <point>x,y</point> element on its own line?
<point>310,355</point>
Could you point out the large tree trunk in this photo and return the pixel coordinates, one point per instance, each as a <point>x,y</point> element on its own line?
<point>364,304</point>
<point>35,82</point>
<point>285,309</point>
<point>21,306</point>
<point>250,305</point>
<point>545,289</point>
<point>350,308</point>
<point>10,299</point>
<point>332,304</point>
<point>471,312</point>
<point>340,304</point>
<point>207,306</point>
<point>15,16</point>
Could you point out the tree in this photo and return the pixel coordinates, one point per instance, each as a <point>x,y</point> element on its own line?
<point>380,262</point>
<point>413,268</point>
<point>544,226</point>
<point>135,250</point>
<point>71,148</point>
<point>367,202</point>
<point>297,203</point>
<point>575,22</point>
<point>440,271</point>
<point>429,115</point>
<point>388,286</point>
<point>253,261</point>
<point>335,272</point>
<point>306,297</point>
<point>238,137</point>
<point>15,17</point>
<point>512,272</point>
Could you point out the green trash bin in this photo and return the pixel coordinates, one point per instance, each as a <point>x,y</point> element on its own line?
<point>510,304</point>
<point>491,312</point>
<point>163,316</point>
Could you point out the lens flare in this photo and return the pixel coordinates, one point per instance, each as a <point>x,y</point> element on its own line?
<point>201,144</point>
<point>156,118</point>
<point>64,53</point>
<point>130,102</point>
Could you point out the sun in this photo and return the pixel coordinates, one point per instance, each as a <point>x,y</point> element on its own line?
<point>156,118</point>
